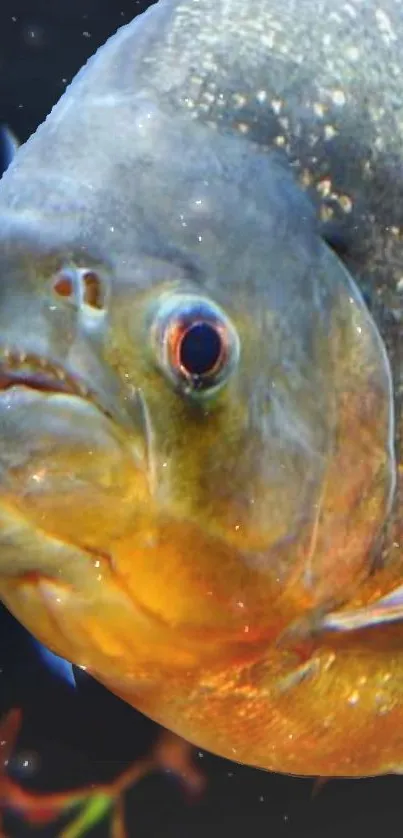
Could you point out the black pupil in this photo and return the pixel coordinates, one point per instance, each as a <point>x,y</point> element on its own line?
<point>200,349</point>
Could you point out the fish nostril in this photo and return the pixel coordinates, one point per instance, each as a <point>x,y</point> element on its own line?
<point>63,286</point>
<point>92,290</point>
<point>81,286</point>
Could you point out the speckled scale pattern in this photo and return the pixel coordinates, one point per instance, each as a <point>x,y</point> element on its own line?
<point>319,82</point>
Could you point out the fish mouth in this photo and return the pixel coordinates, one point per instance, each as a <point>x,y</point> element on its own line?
<point>26,369</point>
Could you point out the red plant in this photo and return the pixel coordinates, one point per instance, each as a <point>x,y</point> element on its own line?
<point>91,804</point>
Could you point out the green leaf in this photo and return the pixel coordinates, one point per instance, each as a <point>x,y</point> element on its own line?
<point>96,807</point>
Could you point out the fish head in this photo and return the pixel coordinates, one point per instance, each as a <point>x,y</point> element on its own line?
<point>195,404</point>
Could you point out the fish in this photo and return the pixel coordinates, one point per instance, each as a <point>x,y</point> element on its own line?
<point>201,467</point>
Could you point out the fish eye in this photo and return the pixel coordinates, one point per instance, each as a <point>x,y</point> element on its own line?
<point>196,344</point>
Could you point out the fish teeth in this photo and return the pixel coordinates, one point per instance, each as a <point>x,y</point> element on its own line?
<point>12,360</point>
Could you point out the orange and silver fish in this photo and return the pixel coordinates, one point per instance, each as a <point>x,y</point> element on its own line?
<point>201,322</point>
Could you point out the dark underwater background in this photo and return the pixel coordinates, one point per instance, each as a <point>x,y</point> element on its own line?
<point>73,738</point>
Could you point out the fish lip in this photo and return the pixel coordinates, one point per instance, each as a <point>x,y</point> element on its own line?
<point>29,370</point>
<point>37,372</point>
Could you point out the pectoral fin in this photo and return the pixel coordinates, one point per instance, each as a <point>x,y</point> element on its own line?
<point>56,665</point>
<point>8,148</point>
<point>388,609</point>
<point>302,633</point>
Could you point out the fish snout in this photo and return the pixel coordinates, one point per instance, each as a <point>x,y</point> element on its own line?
<point>68,467</point>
